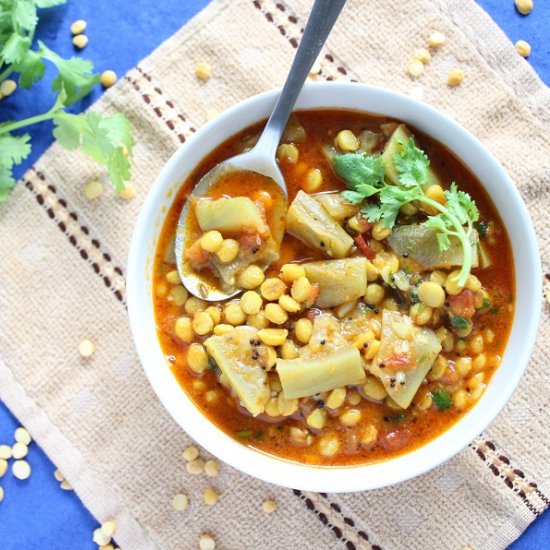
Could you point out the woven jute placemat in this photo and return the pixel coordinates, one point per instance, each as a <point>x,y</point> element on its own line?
<point>62,279</point>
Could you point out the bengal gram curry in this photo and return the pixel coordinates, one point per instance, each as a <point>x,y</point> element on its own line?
<point>374,308</point>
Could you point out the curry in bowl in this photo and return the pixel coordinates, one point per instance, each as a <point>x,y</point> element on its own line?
<point>374,309</point>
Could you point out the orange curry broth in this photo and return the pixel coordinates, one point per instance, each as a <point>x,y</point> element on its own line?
<point>400,436</point>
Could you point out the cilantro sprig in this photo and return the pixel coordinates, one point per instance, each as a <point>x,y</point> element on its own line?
<point>364,177</point>
<point>106,139</point>
<point>441,399</point>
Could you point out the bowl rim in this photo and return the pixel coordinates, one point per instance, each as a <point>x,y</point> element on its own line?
<point>347,478</point>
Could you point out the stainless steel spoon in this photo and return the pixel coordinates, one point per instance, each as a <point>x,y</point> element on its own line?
<point>261,158</point>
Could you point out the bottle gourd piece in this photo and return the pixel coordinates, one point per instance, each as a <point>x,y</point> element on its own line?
<point>308,221</point>
<point>337,207</point>
<point>421,245</point>
<point>230,216</point>
<point>339,281</point>
<point>240,356</point>
<point>407,353</point>
<point>302,377</point>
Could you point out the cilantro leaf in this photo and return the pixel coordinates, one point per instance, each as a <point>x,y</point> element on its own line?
<point>441,399</point>
<point>13,149</point>
<point>355,197</point>
<point>364,177</point>
<point>250,434</point>
<point>392,198</point>
<point>459,322</point>
<point>360,170</point>
<point>31,68</point>
<point>411,164</point>
<point>461,205</point>
<point>6,27</point>
<point>75,74</point>
<point>7,183</point>
<point>15,48</point>
<point>372,212</point>
<point>24,15</point>
<point>440,224</point>
<point>107,140</point>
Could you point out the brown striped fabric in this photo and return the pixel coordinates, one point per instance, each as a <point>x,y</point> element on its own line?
<point>63,280</point>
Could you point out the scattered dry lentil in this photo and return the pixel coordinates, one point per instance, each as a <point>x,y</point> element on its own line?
<point>19,450</point>
<point>455,77</point>
<point>86,348</point>
<point>415,68</point>
<point>5,452</point>
<point>195,467</point>
<point>93,190</point>
<point>210,496</point>
<point>3,467</point>
<point>211,468</point>
<point>207,542</point>
<point>129,192</point>
<point>525,7</point>
<point>423,55</point>
<point>436,39</point>
<point>7,88</point>
<point>80,41</point>
<point>203,71</point>
<point>23,436</point>
<point>108,528</point>
<point>523,48</point>
<point>190,453</point>
<point>78,27</point>
<point>269,506</point>
<point>100,538</point>
<point>65,485</point>
<point>21,469</point>
<point>180,502</point>
<point>108,78</point>
<point>1,494</point>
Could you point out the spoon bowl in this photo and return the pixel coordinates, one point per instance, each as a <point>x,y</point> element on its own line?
<point>255,160</point>
<point>261,158</point>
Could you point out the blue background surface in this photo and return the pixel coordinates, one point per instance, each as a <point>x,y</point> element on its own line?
<point>36,513</point>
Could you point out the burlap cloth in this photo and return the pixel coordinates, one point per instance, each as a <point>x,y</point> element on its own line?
<point>62,279</point>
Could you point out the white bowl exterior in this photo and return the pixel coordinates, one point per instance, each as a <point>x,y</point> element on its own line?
<point>354,478</point>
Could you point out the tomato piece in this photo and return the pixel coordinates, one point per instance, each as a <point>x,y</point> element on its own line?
<point>250,240</point>
<point>399,362</point>
<point>462,304</point>
<point>396,439</point>
<point>197,256</point>
<point>364,247</point>
<point>364,225</point>
<point>313,295</point>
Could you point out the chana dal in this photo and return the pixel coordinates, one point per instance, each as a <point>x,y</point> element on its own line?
<point>373,312</point>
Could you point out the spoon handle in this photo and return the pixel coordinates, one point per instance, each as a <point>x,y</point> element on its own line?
<point>321,20</point>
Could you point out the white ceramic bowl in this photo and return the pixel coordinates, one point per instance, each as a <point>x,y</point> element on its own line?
<point>336,479</point>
